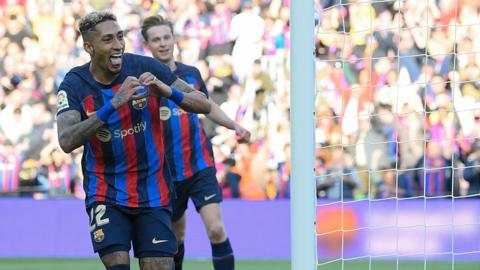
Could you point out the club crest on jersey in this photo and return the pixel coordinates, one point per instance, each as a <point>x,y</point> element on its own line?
<point>103,135</point>
<point>165,113</point>
<point>62,100</point>
<point>98,235</point>
<point>139,104</point>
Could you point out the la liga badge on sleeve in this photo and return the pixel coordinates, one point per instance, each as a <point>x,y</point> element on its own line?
<point>62,100</point>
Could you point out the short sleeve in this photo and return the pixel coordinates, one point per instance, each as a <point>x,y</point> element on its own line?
<point>66,96</point>
<point>162,72</point>
<point>203,88</point>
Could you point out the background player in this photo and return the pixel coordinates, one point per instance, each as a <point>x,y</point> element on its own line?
<point>126,179</point>
<point>190,152</point>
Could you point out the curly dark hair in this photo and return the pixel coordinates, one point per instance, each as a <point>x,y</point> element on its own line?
<point>87,24</point>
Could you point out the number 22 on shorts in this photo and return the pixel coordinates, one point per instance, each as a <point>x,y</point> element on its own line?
<point>96,217</point>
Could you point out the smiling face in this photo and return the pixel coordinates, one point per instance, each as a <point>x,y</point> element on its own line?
<point>161,42</point>
<point>106,46</point>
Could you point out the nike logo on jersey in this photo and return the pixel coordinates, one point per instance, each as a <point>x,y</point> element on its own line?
<point>209,197</point>
<point>155,241</point>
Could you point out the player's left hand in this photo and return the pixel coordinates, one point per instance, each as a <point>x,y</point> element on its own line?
<point>243,135</point>
<point>154,85</point>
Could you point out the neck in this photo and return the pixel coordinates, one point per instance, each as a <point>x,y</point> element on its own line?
<point>171,64</point>
<point>102,76</point>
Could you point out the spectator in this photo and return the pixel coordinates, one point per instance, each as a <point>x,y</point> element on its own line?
<point>31,181</point>
<point>472,169</point>
<point>247,29</point>
<point>436,178</point>
<point>9,166</point>
<point>59,173</point>
<point>380,93</point>
<point>230,180</point>
<point>219,42</point>
<point>16,25</point>
<point>259,90</point>
<point>340,180</point>
<point>387,186</point>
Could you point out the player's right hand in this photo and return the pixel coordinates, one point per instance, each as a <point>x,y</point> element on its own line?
<point>242,134</point>
<point>126,91</point>
<point>155,86</point>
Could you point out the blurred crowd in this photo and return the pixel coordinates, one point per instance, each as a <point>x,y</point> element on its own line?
<point>398,104</point>
<point>398,92</point>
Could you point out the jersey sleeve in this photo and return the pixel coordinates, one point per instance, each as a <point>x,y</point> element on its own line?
<point>66,96</point>
<point>203,88</point>
<point>161,71</point>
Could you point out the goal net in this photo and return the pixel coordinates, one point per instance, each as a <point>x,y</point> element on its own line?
<point>397,134</point>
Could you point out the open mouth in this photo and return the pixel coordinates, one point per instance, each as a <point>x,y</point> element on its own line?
<point>163,51</point>
<point>116,59</point>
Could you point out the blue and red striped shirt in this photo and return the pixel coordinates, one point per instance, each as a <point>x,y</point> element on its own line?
<point>436,182</point>
<point>124,163</point>
<point>9,170</point>
<point>59,177</point>
<point>188,149</point>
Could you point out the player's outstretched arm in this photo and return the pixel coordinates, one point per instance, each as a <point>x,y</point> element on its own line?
<point>218,116</point>
<point>195,102</point>
<point>73,132</point>
<point>179,92</point>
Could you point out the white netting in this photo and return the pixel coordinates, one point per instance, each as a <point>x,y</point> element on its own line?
<point>397,134</point>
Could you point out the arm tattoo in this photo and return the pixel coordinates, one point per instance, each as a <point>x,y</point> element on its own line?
<point>195,102</point>
<point>182,86</point>
<point>72,132</point>
<point>156,263</point>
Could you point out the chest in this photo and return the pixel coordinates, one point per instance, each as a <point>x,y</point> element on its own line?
<point>136,110</point>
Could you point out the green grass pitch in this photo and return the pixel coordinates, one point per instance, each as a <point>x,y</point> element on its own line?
<point>94,264</point>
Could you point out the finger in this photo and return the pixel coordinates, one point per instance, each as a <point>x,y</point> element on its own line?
<point>133,87</point>
<point>156,82</point>
<point>241,140</point>
<point>152,79</point>
<point>153,89</point>
<point>242,132</point>
<point>130,79</point>
<point>159,83</point>
<point>149,79</point>
<point>145,77</point>
<point>137,88</point>
<point>139,96</point>
<point>246,136</point>
<point>135,83</point>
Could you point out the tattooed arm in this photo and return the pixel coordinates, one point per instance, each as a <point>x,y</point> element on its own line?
<point>182,86</point>
<point>72,132</point>
<point>193,101</point>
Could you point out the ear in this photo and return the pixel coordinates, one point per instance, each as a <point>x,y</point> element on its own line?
<point>88,48</point>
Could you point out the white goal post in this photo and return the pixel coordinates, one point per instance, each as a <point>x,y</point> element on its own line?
<point>302,112</point>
